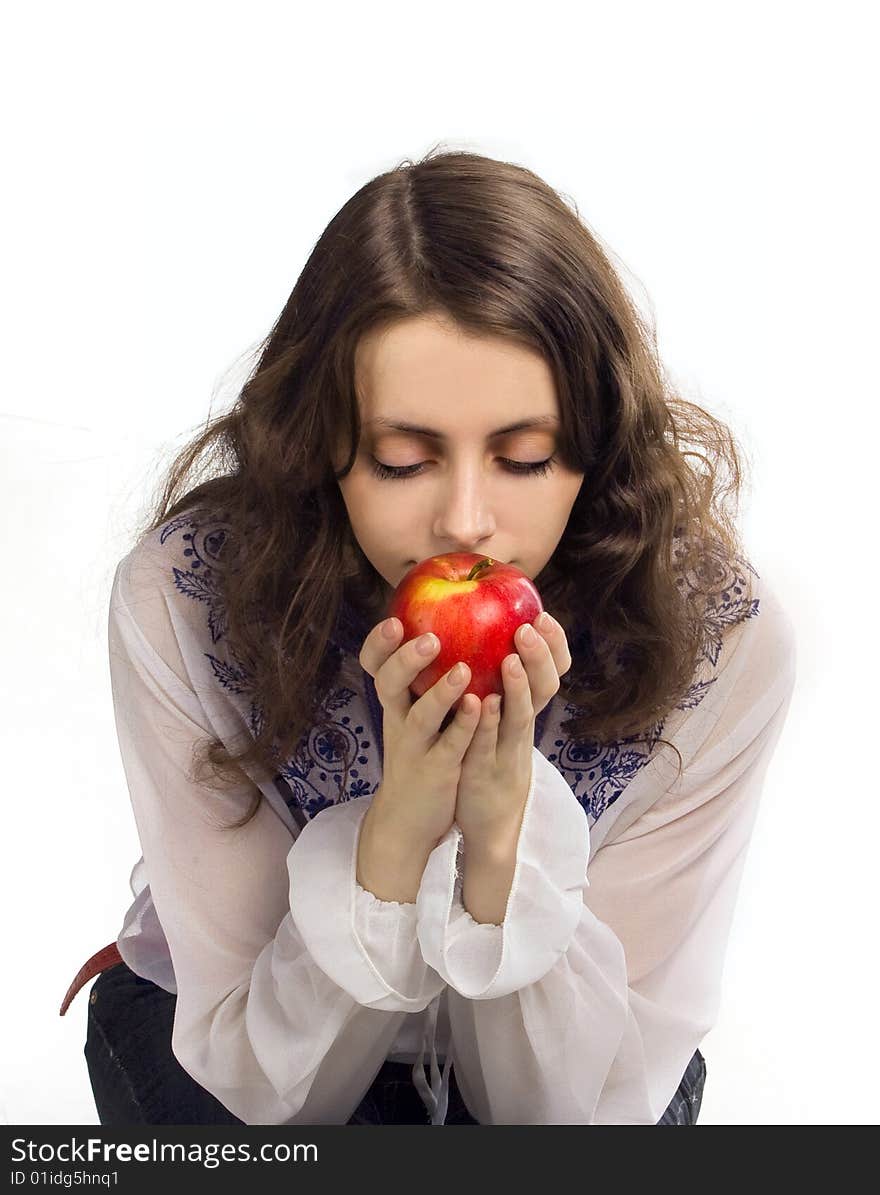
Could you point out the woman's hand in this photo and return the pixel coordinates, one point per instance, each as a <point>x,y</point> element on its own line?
<point>496,769</point>
<point>415,802</point>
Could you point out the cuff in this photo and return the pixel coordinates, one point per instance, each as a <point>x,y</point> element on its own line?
<point>367,946</point>
<point>482,961</point>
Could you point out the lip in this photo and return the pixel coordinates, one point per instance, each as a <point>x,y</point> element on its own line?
<point>410,563</point>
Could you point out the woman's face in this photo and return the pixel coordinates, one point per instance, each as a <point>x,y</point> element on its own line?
<point>463,496</point>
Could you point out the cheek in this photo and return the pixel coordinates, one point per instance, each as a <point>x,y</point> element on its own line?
<point>564,496</point>
<point>378,515</point>
<point>536,526</point>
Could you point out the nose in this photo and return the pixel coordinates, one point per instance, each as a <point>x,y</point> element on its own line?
<point>464,519</point>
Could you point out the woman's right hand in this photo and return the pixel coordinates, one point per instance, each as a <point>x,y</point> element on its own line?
<point>421,766</point>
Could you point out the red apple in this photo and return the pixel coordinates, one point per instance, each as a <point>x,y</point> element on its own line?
<point>473,604</point>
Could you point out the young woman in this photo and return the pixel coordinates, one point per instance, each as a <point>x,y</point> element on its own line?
<point>340,883</point>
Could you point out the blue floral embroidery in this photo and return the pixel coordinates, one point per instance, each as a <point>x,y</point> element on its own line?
<point>598,774</point>
<point>313,778</point>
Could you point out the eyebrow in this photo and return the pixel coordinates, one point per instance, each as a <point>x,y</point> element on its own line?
<point>417,430</point>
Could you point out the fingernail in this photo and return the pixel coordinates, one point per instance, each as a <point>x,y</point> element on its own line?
<point>544,621</point>
<point>528,635</point>
<point>427,644</point>
<point>389,628</point>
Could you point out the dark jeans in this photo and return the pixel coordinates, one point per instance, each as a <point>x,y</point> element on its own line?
<point>136,1079</point>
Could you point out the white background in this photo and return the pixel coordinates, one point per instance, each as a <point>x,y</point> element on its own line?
<point>168,169</point>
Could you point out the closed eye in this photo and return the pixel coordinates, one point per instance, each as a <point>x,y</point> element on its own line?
<point>400,473</point>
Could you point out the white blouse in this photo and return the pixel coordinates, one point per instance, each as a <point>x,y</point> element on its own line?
<point>294,984</point>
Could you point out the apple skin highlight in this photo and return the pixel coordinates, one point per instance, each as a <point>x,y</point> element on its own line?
<point>473,604</point>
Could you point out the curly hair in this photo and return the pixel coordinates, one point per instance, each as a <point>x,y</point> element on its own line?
<point>492,246</point>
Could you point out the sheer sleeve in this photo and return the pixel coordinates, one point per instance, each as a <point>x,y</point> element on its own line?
<point>292,980</point>
<point>587,1003</point>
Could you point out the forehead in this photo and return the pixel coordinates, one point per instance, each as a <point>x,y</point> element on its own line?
<point>413,364</point>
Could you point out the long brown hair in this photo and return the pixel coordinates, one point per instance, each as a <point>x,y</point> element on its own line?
<point>492,246</point>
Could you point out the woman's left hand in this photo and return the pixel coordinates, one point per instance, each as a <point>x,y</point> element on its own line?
<point>496,771</point>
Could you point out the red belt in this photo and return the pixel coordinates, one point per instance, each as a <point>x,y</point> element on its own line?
<point>109,956</point>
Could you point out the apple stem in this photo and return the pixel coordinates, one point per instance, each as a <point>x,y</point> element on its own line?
<point>478,567</point>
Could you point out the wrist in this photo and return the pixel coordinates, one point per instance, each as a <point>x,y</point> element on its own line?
<point>495,847</point>
<point>486,883</point>
<point>386,829</point>
<point>389,865</point>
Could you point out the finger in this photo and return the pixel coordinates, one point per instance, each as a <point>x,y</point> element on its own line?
<point>425,717</point>
<point>519,714</point>
<point>382,641</point>
<point>484,744</point>
<point>456,738</point>
<point>539,664</point>
<point>554,636</point>
<point>397,672</point>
